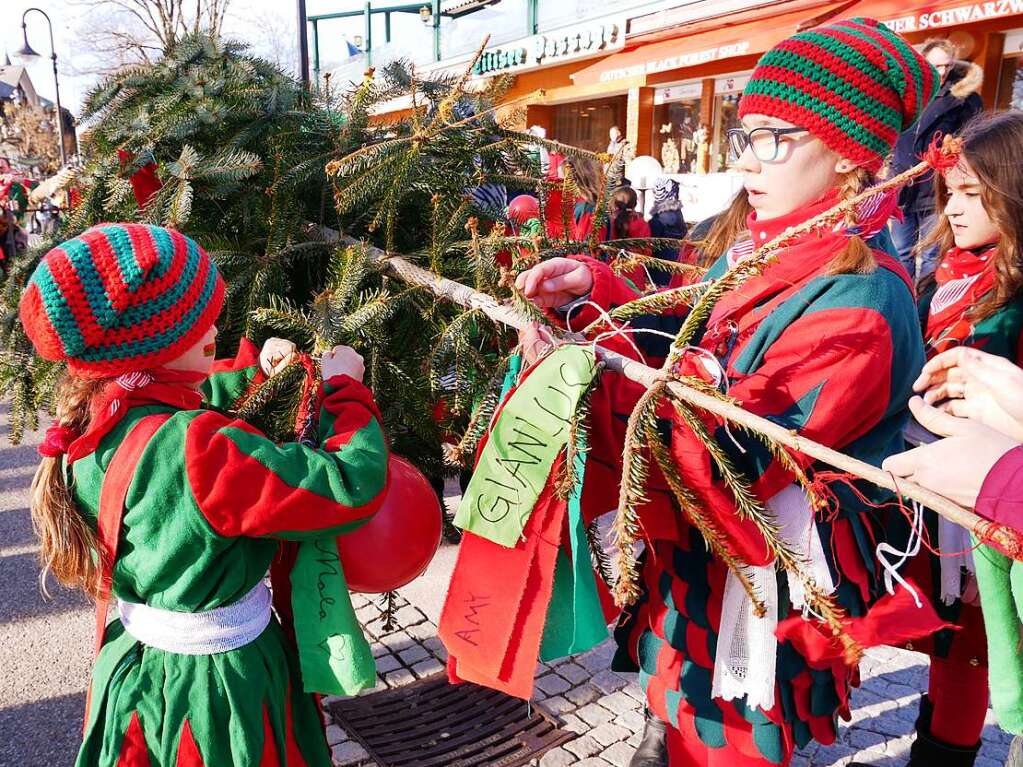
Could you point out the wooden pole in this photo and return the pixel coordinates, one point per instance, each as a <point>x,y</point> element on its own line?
<point>1004,538</point>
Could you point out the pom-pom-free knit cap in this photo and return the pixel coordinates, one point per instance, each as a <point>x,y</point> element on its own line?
<point>854,84</point>
<point>121,297</point>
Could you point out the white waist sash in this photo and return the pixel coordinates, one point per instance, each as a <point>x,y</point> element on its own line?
<point>202,633</point>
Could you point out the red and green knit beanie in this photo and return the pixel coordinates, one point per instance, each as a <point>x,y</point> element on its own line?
<point>854,84</point>
<point>121,297</point>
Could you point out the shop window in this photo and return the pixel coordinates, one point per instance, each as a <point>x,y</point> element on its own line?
<point>586,123</point>
<point>1010,84</point>
<point>726,116</point>
<point>675,131</point>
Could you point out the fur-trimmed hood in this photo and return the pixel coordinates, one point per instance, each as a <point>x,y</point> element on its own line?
<point>964,79</point>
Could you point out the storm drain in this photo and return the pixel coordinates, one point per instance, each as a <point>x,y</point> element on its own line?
<point>431,723</point>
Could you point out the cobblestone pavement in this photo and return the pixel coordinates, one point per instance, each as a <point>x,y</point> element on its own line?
<point>605,708</point>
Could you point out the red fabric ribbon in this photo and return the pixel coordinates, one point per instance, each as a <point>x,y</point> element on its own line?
<point>57,440</point>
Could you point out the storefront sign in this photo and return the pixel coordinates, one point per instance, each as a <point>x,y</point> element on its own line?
<point>685,59</point>
<point>954,15</point>
<point>553,48</point>
<point>681,92</point>
<point>732,84</point>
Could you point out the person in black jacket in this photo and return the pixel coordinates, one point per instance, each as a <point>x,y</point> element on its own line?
<point>956,102</point>
<point>666,221</point>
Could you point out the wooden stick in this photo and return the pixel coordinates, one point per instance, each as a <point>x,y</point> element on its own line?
<point>1006,539</point>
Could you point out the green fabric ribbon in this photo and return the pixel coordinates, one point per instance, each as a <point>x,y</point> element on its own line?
<point>530,432</point>
<point>1000,582</point>
<point>333,653</point>
<point>575,620</point>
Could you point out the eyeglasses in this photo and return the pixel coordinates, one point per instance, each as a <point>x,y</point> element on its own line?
<point>763,141</point>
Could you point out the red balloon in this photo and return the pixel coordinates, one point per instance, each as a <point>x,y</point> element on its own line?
<point>523,208</point>
<point>399,541</point>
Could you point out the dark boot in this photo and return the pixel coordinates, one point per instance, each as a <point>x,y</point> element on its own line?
<point>928,751</point>
<point>652,750</point>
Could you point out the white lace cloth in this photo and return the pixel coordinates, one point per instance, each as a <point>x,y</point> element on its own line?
<point>747,650</point>
<point>203,633</point>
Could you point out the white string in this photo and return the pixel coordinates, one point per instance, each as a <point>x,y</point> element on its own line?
<point>891,571</point>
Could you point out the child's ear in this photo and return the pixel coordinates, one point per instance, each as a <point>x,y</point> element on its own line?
<point>844,166</point>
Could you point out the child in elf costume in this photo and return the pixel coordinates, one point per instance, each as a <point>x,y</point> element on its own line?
<point>826,342</point>
<point>975,300</point>
<point>148,494</point>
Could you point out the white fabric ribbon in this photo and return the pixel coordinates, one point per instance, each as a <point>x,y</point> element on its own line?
<point>203,633</point>
<point>747,649</point>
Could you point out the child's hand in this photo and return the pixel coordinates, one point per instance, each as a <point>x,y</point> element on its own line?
<point>277,354</point>
<point>535,341</point>
<point>954,467</point>
<point>342,361</point>
<point>973,384</point>
<point>555,282</point>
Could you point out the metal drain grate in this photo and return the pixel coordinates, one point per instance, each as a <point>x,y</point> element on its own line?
<point>431,723</point>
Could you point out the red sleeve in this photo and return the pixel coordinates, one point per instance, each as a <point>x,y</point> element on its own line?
<point>827,376</point>
<point>247,485</point>
<point>1001,495</point>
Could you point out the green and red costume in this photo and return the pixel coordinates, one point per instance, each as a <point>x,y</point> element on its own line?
<point>209,502</point>
<point>830,355</point>
<point>191,508</point>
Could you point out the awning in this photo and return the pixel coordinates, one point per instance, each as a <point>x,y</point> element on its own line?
<point>738,34</point>
<point>759,29</point>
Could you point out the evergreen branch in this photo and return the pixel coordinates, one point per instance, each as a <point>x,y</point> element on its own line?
<point>627,530</point>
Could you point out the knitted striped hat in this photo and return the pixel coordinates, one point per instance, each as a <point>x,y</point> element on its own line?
<point>121,297</point>
<point>854,84</point>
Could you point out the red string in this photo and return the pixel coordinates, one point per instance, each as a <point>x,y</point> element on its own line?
<point>820,485</point>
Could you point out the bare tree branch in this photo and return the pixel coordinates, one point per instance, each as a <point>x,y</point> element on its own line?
<point>117,33</point>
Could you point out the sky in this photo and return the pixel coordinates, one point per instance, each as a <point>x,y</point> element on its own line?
<point>268,25</point>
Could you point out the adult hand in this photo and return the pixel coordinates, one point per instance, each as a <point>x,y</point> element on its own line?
<point>342,361</point>
<point>555,282</point>
<point>976,385</point>
<point>535,341</point>
<point>277,354</point>
<point>956,466</point>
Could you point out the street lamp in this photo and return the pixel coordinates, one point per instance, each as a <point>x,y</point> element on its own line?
<point>27,53</point>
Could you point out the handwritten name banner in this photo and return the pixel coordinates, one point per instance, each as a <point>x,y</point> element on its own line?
<point>531,430</point>
<point>333,653</point>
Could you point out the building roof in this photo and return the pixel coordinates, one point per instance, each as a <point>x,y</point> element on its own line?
<point>11,74</point>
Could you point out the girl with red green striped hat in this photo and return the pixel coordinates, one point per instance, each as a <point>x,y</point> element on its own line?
<point>824,341</point>
<point>149,496</point>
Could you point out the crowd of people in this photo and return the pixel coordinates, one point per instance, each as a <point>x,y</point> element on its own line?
<point>147,495</point>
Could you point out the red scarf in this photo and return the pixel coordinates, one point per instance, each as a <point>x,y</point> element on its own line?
<point>740,310</point>
<point>964,277</point>
<point>160,386</point>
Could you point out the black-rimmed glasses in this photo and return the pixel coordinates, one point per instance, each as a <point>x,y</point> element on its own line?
<point>763,141</point>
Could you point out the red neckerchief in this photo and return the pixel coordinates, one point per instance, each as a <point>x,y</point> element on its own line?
<point>796,263</point>
<point>964,277</point>
<point>160,386</point>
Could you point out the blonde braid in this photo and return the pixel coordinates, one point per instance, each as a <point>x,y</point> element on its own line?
<point>856,257</point>
<point>68,544</point>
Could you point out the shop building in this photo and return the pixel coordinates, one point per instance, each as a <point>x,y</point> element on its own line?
<point>670,74</point>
